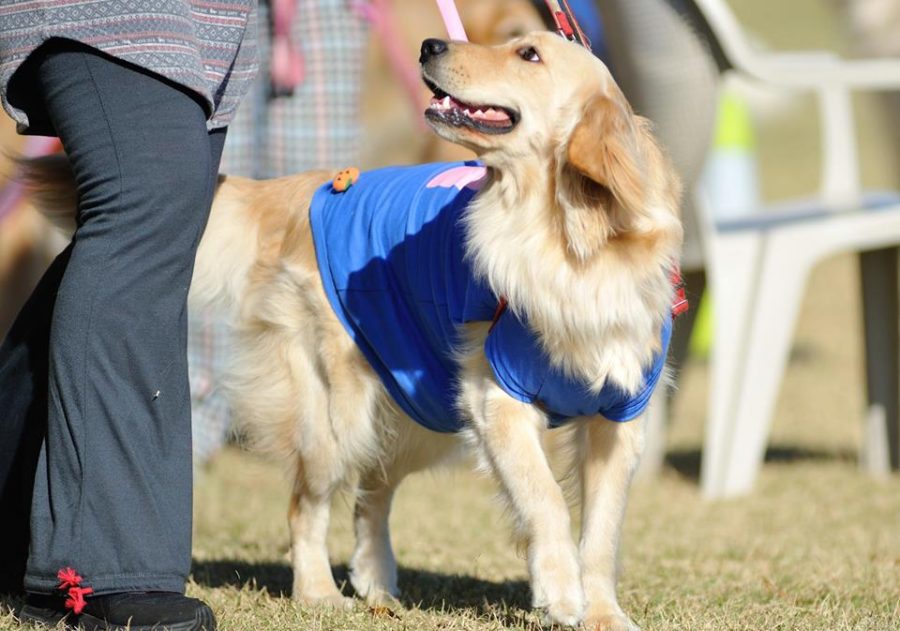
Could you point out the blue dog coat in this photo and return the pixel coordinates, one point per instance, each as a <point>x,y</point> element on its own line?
<point>391,253</point>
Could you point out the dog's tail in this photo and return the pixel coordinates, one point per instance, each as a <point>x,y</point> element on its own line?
<point>228,251</point>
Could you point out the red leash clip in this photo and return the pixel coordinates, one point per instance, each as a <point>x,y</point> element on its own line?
<point>566,24</point>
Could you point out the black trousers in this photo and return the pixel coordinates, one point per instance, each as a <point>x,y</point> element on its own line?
<point>95,426</point>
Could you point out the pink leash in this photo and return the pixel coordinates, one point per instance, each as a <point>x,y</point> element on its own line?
<point>451,20</point>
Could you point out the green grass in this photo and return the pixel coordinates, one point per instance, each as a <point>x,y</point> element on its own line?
<point>816,546</point>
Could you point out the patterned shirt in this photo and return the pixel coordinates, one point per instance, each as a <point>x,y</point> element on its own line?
<point>199,44</point>
<point>391,254</point>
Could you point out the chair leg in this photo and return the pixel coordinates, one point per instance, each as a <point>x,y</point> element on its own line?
<point>733,278</point>
<point>655,424</point>
<point>881,443</point>
<point>783,275</point>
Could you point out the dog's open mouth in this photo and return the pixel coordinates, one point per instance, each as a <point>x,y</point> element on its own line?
<point>489,119</point>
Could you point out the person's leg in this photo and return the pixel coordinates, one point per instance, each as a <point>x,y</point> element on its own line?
<point>23,400</point>
<point>112,488</point>
<point>112,494</point>
<point>23,420</point>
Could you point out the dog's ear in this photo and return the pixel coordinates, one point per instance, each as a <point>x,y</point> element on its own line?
<point>605,147</point>
<point>602,180</point>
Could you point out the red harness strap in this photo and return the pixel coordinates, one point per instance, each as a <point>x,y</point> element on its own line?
<point>680,303</point>
<point>501,307</point>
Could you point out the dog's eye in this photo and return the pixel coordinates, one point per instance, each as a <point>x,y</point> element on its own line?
<point>529,54</point>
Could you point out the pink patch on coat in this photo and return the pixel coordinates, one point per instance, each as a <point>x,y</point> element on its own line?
<point>460,177</point>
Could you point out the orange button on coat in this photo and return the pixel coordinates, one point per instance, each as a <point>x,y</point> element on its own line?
<point>345,179</point>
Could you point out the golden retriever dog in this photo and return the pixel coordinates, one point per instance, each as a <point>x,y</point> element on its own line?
<point>575,225</point>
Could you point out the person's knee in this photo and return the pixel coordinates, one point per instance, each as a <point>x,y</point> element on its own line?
<point>146,185</point>
<point>154,208</point>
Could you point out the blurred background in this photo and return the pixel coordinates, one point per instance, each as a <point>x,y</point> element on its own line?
<point>811,542</point>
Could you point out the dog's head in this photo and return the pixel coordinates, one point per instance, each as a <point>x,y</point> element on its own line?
<point>541,103</point>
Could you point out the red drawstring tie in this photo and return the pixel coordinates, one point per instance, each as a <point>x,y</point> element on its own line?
<point>70,582</point>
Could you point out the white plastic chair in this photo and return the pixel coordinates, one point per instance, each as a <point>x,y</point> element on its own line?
<point>758,266</point>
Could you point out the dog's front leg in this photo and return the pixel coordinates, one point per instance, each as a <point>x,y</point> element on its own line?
<point>612,453</point>
<point>508,433</point>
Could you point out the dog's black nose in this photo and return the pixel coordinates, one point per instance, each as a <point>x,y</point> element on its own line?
<point>432,48</point>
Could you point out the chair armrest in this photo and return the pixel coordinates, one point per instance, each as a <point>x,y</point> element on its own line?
<point>810,70</point>
<point>833,79</point>
<point>814,70</point>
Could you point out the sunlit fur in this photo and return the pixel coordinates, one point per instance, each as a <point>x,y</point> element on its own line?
<point>577,226</point>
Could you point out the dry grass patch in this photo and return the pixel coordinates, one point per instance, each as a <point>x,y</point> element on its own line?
<point>815,547</point>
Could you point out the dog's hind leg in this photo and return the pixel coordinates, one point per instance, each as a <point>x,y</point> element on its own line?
<point>282,402</point>
<point>612,452</point>
<point>373,569</point>
<point>309,514</point>
<point>341,440</point>
<point>407,448</point>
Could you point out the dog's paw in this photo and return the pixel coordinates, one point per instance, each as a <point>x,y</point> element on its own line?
<point>377,587</point>
<point>609,622</point>
<point>566,613</point>
<point>336,601</point>
<point>383,599</point>
<point>556,587</point>
<point>379,596</point>
<point>561,603</point>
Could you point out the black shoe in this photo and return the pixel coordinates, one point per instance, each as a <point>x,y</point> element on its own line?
<point>136,611</point>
